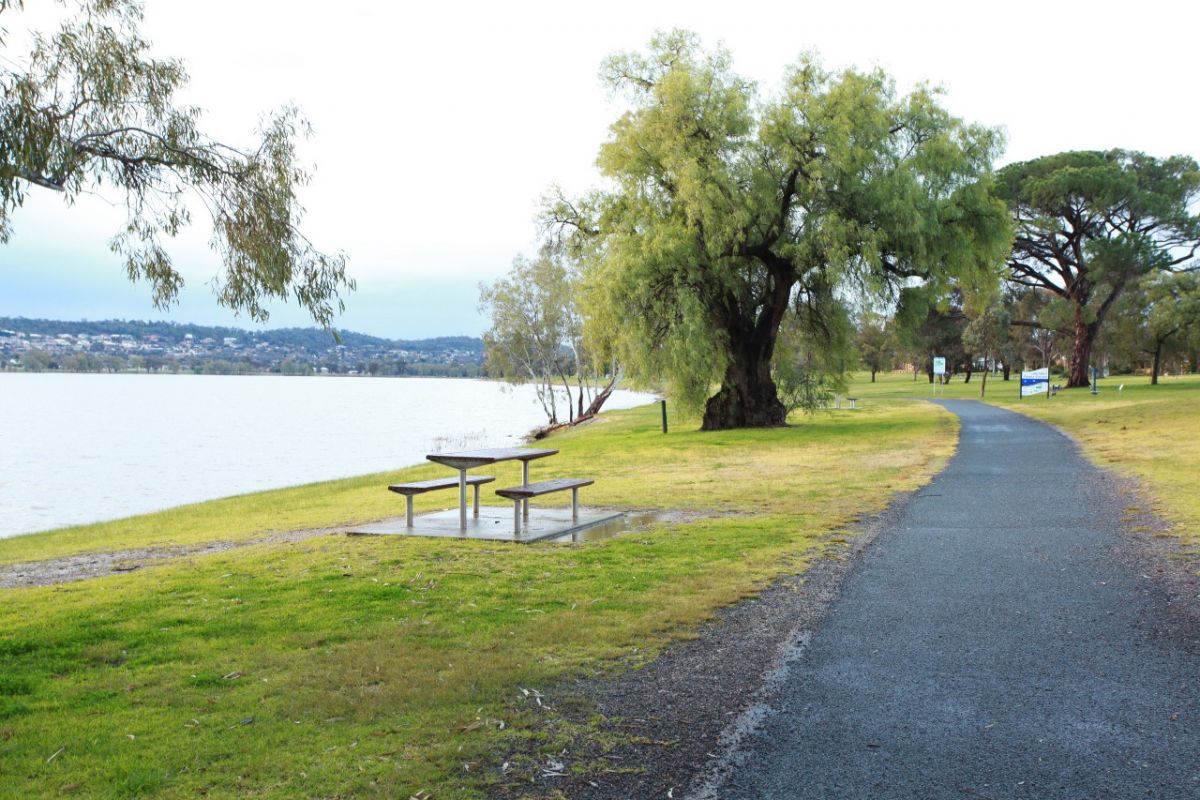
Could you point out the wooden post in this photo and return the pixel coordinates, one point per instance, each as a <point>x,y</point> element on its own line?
<point>664,415</point>
<point>575,504</point>
<point>409,512</point>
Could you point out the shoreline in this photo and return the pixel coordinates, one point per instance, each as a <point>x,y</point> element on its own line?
<point>86,451</point>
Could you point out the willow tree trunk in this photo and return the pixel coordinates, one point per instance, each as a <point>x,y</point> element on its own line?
<point>1157,365</point>
<point>748,397</point>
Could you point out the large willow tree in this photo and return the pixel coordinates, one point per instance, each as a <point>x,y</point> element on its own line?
<point>726,213</point>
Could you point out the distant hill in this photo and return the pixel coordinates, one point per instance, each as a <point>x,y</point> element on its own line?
<point>311,339</point>
<point>114,345</point>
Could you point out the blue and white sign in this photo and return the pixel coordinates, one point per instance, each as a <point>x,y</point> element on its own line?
<point>1035,381</point>
<point>939,365</point>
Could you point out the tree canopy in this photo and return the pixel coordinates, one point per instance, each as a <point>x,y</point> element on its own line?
<point>1090,225</point>
<point>728,212</point>
<point>536,335</point>
<point>930,325</point>
<point>876,343</point>
<point>1158,319</point>
<point>91,110</point>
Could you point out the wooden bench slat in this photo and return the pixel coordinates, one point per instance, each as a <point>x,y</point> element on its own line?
<point>543,487</point>
<point>420,487</point>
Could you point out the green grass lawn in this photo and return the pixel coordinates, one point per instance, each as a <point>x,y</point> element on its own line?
<point>1143,431</point>
<point>379,667</point>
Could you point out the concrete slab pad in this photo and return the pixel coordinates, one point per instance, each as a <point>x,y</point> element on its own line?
<point>494,523</point>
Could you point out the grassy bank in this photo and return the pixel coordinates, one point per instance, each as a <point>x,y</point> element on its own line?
<point>373,667</point>
<point>1143,431</point>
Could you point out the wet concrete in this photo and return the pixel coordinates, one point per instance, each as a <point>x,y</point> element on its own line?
<point>493,524</point>
<point>615,526</point>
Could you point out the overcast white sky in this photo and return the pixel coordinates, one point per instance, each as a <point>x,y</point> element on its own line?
<point>438,125</point>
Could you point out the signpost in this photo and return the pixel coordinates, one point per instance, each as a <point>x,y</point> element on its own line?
<point>939,372</point>
<point>1035,382</point>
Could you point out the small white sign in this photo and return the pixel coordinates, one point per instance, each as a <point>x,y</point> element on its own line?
<point>939,365</point>
<point>1035,381</point>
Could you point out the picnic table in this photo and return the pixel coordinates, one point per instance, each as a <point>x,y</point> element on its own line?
<point>471,459</point>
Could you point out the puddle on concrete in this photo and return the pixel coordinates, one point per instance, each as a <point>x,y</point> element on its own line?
<point>629,521</point>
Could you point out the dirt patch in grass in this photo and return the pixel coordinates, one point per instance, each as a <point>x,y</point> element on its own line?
<point>83,566</point>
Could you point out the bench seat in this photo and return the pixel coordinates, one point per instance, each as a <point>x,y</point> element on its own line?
<point>409,490</point>
<point>520,496</point>
<point>543,487</point>
<point>421,487</point>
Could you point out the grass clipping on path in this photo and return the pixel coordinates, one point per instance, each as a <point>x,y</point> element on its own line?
<point>1142,431</point>
<point>385,667</point>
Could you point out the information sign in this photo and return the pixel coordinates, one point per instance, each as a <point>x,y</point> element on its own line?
<point>939,365</point>
<point>1035,382</point>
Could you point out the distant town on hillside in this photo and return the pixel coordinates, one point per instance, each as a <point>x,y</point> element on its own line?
<point>39,345</point>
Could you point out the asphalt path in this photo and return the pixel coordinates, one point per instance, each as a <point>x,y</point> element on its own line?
<point>996,642</point>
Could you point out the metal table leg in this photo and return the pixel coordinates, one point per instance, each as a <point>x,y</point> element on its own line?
<point>462,500</point>
<point>525,482</point>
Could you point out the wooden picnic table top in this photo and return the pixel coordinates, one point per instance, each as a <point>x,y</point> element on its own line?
<point>468,459</point>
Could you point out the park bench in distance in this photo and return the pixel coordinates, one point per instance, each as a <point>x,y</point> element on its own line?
<point>409,490</point>
<point>519,494</point>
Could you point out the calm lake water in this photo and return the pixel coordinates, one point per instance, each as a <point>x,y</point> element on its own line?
<point>81,448</point>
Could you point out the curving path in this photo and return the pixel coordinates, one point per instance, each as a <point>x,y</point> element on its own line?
<point>998,642</point>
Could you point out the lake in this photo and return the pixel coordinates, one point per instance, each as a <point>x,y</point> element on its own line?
<point>78,448</point>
